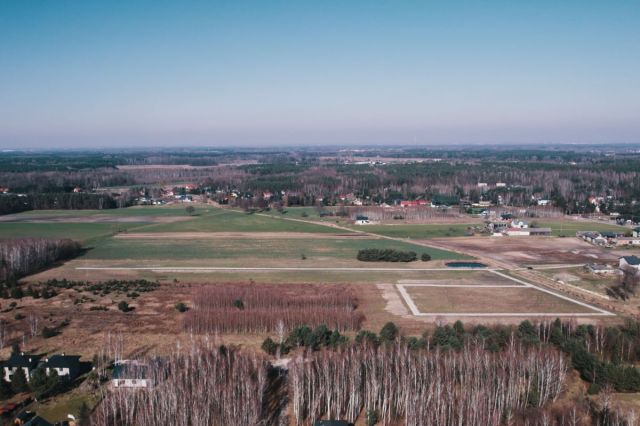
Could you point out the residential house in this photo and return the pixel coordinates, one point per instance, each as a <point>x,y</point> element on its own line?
<point>131,374</point>
<point>501,185</point>
<point>16,361</point>
<point>630,261</point>
<point>362,220</point>
<point>68,367</point>
<point>29,418</point>
<point>544,202</point>
<point>413,203</point>
<point>600,269</point>
<point>628,241</point>
<point>636,232</point>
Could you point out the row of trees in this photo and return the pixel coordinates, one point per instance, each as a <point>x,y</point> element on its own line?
<point>423,387</point>
<point>63,201</point>
<point>266,308</point>
<point>386,255</point>
<point>19,257</point>
<point>198,385</point>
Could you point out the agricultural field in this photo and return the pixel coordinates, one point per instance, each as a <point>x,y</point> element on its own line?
<point>568,228</point>
<point>419,231</point>
<point>525,251</point>
<point>579,277</point>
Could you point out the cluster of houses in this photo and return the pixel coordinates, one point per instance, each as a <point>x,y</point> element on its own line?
<point>625,263</point>
<point>611,239</point>
<point>68,367</point>
<point>516,228</point>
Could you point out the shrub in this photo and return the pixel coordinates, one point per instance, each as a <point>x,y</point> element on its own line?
<point>19,316</point>
<point>48,332</point>
<point>124,306</point>
<point>269,346</point>
<point>181,307</point>
<point>389,332</point>
<point>425,257</point>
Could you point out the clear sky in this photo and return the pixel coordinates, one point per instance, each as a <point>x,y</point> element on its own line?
<point>132,73</point>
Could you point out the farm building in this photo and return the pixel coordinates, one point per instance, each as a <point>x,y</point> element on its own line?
<point>630,261</point>
<point>413,203</point>
<point>540,232</point>
<point>517,232</point>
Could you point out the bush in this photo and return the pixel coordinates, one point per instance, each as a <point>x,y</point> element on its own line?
<point>389,332</point>
<point>269,346</point>
<point>181,307</point>
<point>386,255</point>
<point>19,316</point>
<point>425,257</point>
<point>124,306</point>
<point>48,332</point>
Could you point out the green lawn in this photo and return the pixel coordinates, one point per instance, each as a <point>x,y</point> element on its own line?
<point>77,231</point>
<point>172,210</point>
<point>569,228</point>
<point>417,231</point>
<point>218,220</point>
<point>247,250</point>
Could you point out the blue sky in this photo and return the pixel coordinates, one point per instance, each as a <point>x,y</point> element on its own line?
<point>134,73</point>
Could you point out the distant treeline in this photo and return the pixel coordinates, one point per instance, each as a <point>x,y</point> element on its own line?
<point>20,257</point>
<point>10,203</point>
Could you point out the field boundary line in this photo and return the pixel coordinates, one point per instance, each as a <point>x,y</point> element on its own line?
<point>561,296</point>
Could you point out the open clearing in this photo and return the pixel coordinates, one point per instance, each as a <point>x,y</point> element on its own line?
<point>530,250</point>
<point>477,298</point>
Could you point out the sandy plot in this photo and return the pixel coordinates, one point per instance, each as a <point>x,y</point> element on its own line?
<point>525,300</point>
<point>241,235</point>
<point>529,250</point>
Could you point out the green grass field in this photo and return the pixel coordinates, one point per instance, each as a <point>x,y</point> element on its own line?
<point>569,228</point>
<point>218,220</point>
<point>417,231</point>
<point>249,250</point>
<point>77,231</point>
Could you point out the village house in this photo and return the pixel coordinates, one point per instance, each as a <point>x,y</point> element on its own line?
<point>67,367</point>
<point>131,374</point>
<point>601,269</point>
<point>362,220</point>
<point>413,203</point>
<point>16,361</point>
<point>630,262</point>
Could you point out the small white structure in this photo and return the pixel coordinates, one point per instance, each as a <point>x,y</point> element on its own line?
<point>362,220</point>
<point>501,185</point>
<point>520,224</point>
<point>544,202</point>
